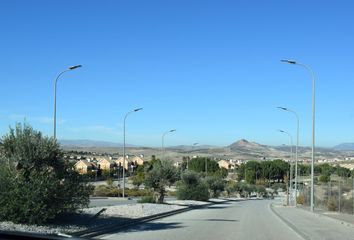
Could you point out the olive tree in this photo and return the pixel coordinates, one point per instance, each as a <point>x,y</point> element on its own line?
<point>162,174</point>
<point>37,184</point>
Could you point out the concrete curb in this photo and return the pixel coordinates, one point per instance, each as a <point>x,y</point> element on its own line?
<point>102,230</point>
<point>290,224</point>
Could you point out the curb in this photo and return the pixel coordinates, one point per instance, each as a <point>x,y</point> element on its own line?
<point>102,230</point>
<point>290,224</point>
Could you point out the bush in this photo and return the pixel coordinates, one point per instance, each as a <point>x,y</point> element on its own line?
<point>113,191</point>
<point>324,178</point>
<point>107,191</point>
<point>192,188</point>
<point>37,184</point>
<point>215,184</point>
<point>332,205</point>
<point>147,199</point>
<point>162,174</point>
<point>300,199</point>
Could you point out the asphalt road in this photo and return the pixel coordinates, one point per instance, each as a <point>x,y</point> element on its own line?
<point>247,220</point>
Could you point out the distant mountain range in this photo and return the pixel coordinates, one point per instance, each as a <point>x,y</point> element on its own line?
<point>242,148</point>
<point>91,143</point>
<point>344,147</point>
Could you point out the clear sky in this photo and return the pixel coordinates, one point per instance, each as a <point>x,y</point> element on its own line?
<point>209,69</point>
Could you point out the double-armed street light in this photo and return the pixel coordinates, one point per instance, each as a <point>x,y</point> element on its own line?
<point>55,96</point>
<point>313,124</point>
<point>291,159</point>
<point>297,145</point>
<point>163,141</point>
<point>126,115</point>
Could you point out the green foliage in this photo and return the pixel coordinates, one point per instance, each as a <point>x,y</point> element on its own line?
<point>147,199</point>
<point>300,199</point>
<point>215,184</point>
<point>37,185</point>
<point>109,181</point>
<point>162,174</point>
<point>106,174</point>
<point>192,188</point>
<point>231,187</point>
<point>324,178</point>
<point>332,204</point>
<point>198,165</point>
<point>222,172</point>
<point>138,179</point>
<point>254,171</point>
<point>113,191</point>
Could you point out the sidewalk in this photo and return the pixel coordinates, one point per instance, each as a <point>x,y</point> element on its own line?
<point>343,217</point>
<point>313,225</point>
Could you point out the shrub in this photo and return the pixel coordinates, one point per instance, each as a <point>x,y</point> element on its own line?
<point>332,204</point>
<point>113,191</point>
<point>300,199</point>
<point>163,174</point>
<point>324,178</point>
<point>192,188</point>
<point>147,199</point>
<point>106,191</point>
<point>215,185</point>
<point>37,184</point>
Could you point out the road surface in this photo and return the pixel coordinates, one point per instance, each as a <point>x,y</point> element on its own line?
<point>248,220</point>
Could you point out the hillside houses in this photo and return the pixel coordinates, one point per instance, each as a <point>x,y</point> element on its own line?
<point>85,165</point>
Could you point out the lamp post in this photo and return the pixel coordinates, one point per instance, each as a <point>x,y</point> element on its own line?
<point>313,125</point>
<point>55,96</point>
<point>297,145</point>
<point>291,156</point>
<point>163,141</point>
<point>126,115</point>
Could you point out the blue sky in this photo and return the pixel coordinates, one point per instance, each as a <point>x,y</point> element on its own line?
<point>209,69</point>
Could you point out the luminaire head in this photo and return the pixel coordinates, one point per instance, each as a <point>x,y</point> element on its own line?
<point>288,61</point>
<point>138,109</point>
<point>74,67</point>
<point>283,108</point>
<point>172,130</point>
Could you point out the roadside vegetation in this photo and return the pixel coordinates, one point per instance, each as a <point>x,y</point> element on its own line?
<point>36,183</point>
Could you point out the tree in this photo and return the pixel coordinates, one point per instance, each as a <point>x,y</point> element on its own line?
<point>215,184</point>
<point>198,165</point>
<point>162,174</point>
<point>138,179</point>
<point>192,188</point>
<point>222,172</point>
<point>37,185</point>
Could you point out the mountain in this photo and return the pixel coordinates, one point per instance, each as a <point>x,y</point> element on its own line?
<point>243,144</point>
<point>344,147</point>
<point>90,143</point>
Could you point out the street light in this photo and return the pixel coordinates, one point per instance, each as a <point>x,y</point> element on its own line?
<point>163,139</point>
<point>291,156</point>
<point>55,96</point>
<point>297,145</point>
<point>126,115</point>
<point>313,125</point>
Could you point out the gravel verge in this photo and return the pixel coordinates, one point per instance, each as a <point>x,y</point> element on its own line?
<point>85,218</point>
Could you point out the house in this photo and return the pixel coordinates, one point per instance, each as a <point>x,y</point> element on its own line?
<point>119,162</point>
<point>105,164</point>
<point>226,164</point>
<point>83,166</point>
<point>137,160</point>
